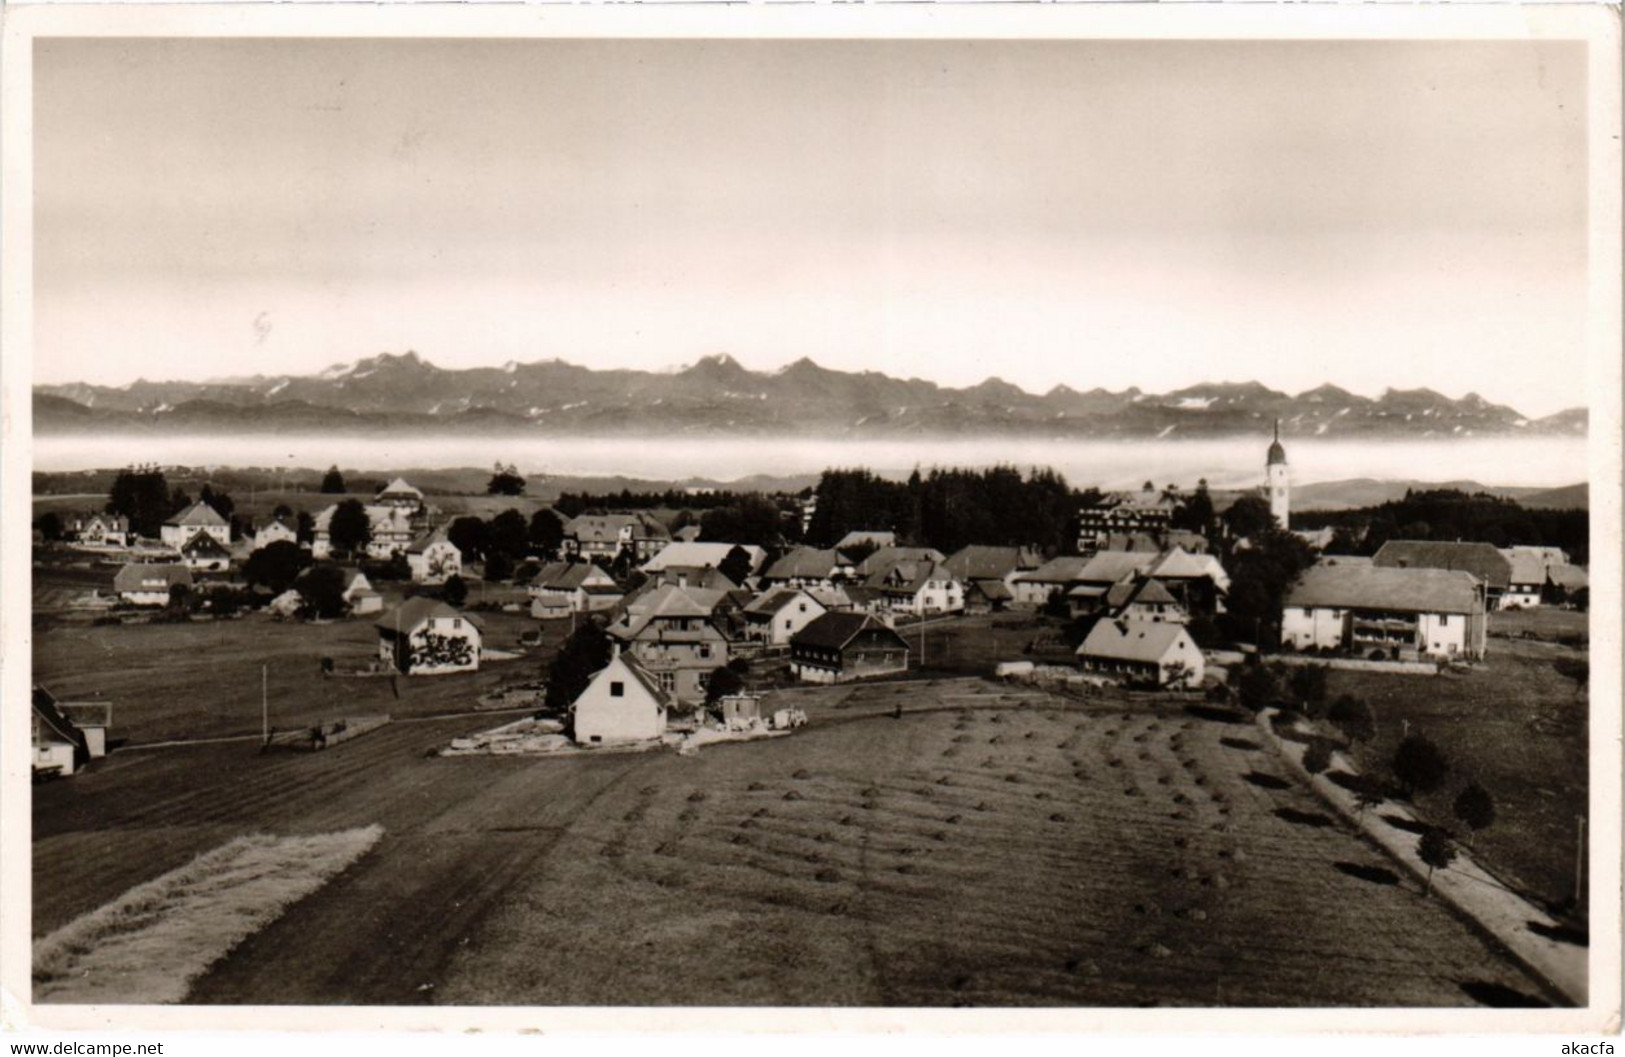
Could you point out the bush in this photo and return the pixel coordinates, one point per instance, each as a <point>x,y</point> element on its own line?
<point>455,591</point>
<point>1308,684</point>
<point>1377,655</point>
<point>1419,765</point>
<point>1475,808</point>
<point>1437,850</point>
<point>1319,757</point>
<point>1353,717</point>
<point>1257,688</point>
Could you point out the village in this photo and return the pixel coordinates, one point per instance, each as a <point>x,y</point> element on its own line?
<point>544,635</point>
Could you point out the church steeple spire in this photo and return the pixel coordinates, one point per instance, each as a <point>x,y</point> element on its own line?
<point>1276,485</point>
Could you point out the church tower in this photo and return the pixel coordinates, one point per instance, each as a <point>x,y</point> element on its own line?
<point>1276,485</point>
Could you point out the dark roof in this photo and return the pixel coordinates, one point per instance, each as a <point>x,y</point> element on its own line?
<point>770,603</point>
<point>45,707</point>
<point>992,590</point>
<point>1568,577</point>
<point>564,576</point>
<point>1413,590</point>
<point>805,563</point>
<point>204,545</point>
<point>1277,454</point>
<point>1063,570</point>
<point>834,630</point>
<point>977,562</point>
<point>414,611</point>
<point>135,576</point>
<point>1480,559</point>
<point>884,558</point>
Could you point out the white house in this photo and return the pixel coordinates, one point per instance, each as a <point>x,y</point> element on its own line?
<point>103,530</point>
<point>434,559</point>
<point>562,588</point>
<point>809,567</point>
<point>148,583</point>
<point>1054,578</point>
<point>393,527</point>
<point>65,737</point>
<point>1404,613</point>
<point>199,517</point>
<point>1141,651</point>
<point>622,703</point>
<point>920,588</point>
<point>360,595</point>
<point>775,617</point>
<point>425,636</point>
<point>275,531</point>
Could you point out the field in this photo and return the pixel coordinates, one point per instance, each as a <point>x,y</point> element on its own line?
<point>1518,726</point>
<point>986,847</point>
<point>202,679</point>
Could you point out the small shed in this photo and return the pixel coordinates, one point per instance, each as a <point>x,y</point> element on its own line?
<point>622,703</point>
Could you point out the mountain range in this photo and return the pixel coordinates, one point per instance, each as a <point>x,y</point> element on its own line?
<point>717,396</point>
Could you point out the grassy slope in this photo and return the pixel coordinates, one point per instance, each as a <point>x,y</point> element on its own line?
<point>1518,728</point>
<point>986,848</point>
<point>200,680</point>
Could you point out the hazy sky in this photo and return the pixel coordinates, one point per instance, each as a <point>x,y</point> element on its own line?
<point>1094,213</point>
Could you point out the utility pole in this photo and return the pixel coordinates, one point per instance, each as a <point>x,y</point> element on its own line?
<point>265,704</point>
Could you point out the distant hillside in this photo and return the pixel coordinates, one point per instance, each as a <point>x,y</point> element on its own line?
<point>393,394</point>
<point>1365,492</point>
<point>1569,497</point>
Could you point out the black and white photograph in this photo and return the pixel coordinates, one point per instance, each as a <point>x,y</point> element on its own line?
<point>1008,519</point>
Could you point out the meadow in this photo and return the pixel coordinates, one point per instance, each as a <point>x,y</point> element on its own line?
<point>948,842</point>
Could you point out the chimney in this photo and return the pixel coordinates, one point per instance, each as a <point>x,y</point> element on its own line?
<point>614,652</point>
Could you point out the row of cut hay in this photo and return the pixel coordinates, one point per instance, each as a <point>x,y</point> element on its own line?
<point>148,945</point>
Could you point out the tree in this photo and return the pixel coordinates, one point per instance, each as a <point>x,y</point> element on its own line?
<point>1475,808</point>
<point>583,653</point>
<point>143,496</point>
<point>1260,575</point>
<point>304,527</point>
<point>1195,514</point>
<point>282,510</point>
<point>454,592</point>
<point>736,565</point>
<point>221,502</point>
<point>351,528</point>
<point>722,682</point>
<point>498,566</point>
<point>1435,848</point>
<point>1353,717</point>
<point>182,599</point>
<point>507,534</point>
<point>1249,516</point>
<point>1308,685</point>
<point>468,535</point>
<point>333,482</point>
<point>753,519</point>
<point>546,532</point>
<point>505,480</point>
<point>1257,688</point>
<point>1419,765</point>
<point>50,527</point>
<point>1368,792</point>
<point>1318,757</point>
<point>276,566</point>
<point>321,592</point>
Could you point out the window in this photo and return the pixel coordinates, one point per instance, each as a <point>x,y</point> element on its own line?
<point>1444,620</point>
<point>786,625</point>
<point>457,624</point>
<point>702,680</point>
<point>705,652</point>
<point>800,607</point>
<point>617,689</point>
<point>668,681</point>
